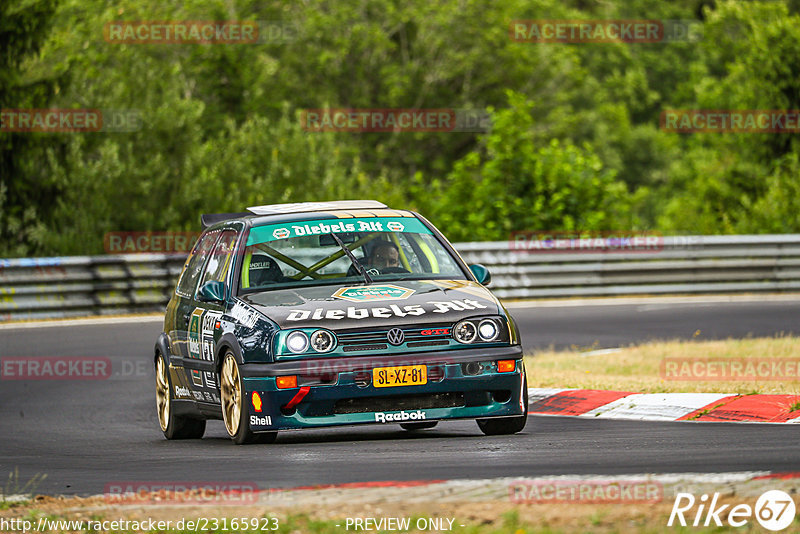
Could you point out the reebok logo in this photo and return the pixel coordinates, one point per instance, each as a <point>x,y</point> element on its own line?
<point>381,417</point>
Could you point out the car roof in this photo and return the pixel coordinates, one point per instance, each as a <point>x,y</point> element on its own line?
<point>307,210</point>
<point>301,207</point>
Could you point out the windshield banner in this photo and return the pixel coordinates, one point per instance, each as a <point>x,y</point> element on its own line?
<point>274,232</point>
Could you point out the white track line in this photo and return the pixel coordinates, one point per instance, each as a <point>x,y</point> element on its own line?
<point>621,301</point>
<point>88,321</point>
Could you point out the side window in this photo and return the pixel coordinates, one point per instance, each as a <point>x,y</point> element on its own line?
<point>220,260</point>
<point>191,271</point>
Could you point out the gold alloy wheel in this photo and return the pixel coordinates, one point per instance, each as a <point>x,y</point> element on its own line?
<point>231,389</point>
<point>162,394</point>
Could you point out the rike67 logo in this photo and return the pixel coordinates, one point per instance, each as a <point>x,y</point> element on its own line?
<point>774,510</point>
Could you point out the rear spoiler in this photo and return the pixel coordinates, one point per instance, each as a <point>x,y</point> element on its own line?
<point>210,219</point>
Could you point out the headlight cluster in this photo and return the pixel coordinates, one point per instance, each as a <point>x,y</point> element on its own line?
<point>477,330</point>
<point>320,341</point>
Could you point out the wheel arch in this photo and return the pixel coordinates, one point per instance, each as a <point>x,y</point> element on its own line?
<point>161,347</point>
<point>227,342</point>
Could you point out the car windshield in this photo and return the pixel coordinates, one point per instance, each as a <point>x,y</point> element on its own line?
<point>306,253</point>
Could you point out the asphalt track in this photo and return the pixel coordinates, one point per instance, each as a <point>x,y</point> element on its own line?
<point>86,434</point>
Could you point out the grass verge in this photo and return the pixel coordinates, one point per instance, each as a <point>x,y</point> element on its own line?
<point>524,519</point>
<point>641,368</point>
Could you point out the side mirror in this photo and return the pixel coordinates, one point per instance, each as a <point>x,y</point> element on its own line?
<point>481,273</point>
<point>212,291</point>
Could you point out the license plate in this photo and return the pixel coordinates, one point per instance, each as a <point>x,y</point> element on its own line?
<point>407,375</point>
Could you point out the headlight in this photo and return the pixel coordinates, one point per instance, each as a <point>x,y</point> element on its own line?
<point>297,342</point>
<point>465,332</point>
<point>322,341</point>
<point>488,330</point>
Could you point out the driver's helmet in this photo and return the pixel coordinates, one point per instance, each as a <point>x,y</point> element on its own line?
<point>384,254</point>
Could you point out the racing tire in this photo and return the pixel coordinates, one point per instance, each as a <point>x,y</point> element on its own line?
<point>501,426</point>
<point>419,426</point>
<point>234,409</point>
<point>173,426</point>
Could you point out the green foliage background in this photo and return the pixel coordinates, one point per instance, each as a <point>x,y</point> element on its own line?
<point>575,142</point>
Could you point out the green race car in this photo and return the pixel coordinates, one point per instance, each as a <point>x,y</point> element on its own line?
<point>295,316</point>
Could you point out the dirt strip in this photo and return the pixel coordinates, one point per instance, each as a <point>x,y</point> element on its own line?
<point>562,503</point>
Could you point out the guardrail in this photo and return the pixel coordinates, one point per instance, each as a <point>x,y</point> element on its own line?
<point>678,265</point>
<point>76,286</point>
<point>101,285</point>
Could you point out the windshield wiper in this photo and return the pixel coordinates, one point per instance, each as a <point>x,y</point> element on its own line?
<point>352,257</point>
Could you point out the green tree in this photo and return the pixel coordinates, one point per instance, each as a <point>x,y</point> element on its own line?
<point>25,190</point>
<point>732,182</point>
<point>512,183</point>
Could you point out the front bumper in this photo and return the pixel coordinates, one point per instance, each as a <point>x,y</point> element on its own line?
<point>461,393</point>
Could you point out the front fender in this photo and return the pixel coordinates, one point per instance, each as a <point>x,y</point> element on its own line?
<point>228,341</point>
<point>162,347</point>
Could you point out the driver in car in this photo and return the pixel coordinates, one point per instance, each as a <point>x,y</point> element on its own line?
<point>384,254</point>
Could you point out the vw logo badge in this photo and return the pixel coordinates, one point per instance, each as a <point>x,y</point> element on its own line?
<point>396,336</point>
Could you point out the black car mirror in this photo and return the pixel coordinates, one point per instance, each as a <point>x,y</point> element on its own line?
<point>212,291</point>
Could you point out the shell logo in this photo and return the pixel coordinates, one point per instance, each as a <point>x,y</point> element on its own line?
<point>256,401</point>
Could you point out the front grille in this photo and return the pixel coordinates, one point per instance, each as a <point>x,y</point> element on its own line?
<point>395,403</point>
<point>353,348</point>
<point>353,340</point>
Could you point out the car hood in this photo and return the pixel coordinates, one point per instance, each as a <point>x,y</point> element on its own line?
<point>375,305</point>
